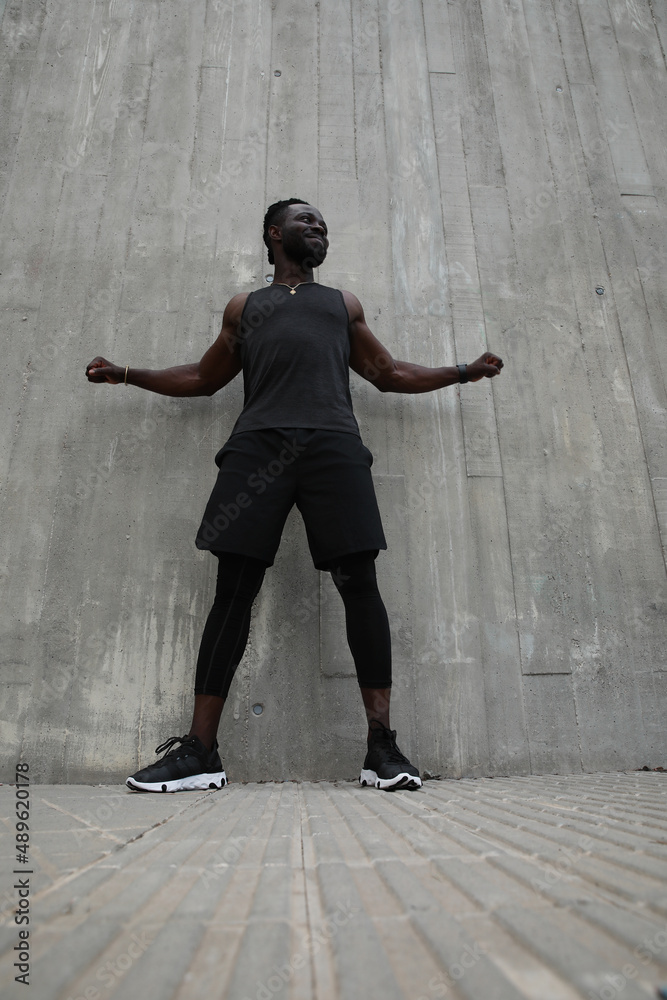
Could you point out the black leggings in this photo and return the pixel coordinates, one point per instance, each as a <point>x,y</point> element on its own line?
<point>239,580</point>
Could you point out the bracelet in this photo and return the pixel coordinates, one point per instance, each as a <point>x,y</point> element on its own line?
<point>463,373</point>
<point>126,371</point>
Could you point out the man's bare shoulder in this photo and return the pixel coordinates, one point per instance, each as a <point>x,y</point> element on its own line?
<point>353,305</point>
<point>234,307</point>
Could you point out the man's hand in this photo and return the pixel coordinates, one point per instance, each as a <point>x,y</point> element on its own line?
<point>101,370</point>
<point>370,359</point>
<point>219,365</point>
<point>485,367</point>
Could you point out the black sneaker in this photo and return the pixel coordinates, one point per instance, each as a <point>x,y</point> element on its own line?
<point>187,768</point>
<point>385,766</point>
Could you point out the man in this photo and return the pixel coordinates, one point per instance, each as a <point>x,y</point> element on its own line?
<point>295,441</point>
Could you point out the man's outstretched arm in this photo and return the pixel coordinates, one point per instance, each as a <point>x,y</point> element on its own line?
<point>370,359</point>
<point>219,365</point>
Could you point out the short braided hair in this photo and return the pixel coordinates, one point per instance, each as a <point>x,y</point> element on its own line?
<point>275,215</point>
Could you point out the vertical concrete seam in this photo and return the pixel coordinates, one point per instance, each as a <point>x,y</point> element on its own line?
<point>655,28</point>
<point>560,42</point>
<point>638,417</point>
<point>637,117</point>
<point>499,435</point>
<point>384,129</point>
<point>268,111</point>
<point>318,73</point>
<point>354,92</point>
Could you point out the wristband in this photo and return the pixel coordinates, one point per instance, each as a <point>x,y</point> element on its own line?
<point>463,373</point>
<point>126,371</point>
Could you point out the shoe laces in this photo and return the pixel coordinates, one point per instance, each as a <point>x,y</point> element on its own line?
<point>388,739</point>
<point>168,744</point>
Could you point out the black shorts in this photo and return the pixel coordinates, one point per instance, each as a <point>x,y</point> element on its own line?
<point>264,473</point>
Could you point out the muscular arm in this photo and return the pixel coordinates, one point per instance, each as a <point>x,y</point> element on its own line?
<point>219,365</point>
<point>370,359</point>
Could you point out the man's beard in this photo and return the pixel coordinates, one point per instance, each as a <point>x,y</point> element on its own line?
<point>304,251</point>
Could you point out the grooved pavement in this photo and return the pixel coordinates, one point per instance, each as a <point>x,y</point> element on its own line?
<point>548,888</point>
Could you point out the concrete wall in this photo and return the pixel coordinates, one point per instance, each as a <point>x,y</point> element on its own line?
<point>484,167</point>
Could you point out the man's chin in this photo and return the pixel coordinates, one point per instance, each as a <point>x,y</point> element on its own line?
<point>314,260</point>
<point>320,253</point>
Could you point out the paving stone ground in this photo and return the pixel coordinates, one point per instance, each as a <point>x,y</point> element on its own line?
<point>536,888</point>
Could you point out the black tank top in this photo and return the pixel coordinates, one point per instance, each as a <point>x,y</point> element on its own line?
<point>295,351</point>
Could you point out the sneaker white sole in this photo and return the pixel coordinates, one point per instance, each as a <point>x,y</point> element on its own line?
<point>400,781</point>
<point>194,783</point>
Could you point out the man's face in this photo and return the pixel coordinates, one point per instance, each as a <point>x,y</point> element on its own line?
<point>304,235</point>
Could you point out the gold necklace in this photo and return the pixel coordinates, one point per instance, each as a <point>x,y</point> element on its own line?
<point>293,288</point>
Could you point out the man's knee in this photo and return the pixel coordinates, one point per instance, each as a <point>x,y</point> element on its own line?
<point>239,577</point>
<point>354,574</point>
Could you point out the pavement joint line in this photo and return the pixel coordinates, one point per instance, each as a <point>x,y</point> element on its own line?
<point>607,891</point>
<point>68,877</point>
<point>570,800</point>
<point>162,822</point>
<point>551,893</point>
<point>179,885</point>
<point>600,916</point>
<point>597,880</point>
<point>551,946</point>
<point>530,825</point>
<point>104,857</point>
<point>589,834</point>
<point>494,858</point>
<point>535,834</point>
<point>494,847</point>
<point>650,816</point>
<point>86,823</point>
<point>322,968</point>
<point>615,813</point>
